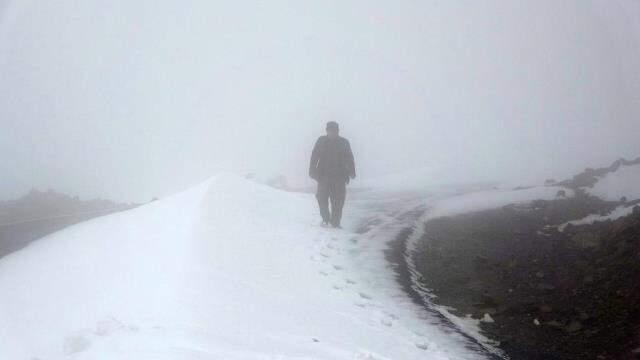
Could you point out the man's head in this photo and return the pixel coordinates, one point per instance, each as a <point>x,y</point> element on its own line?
<point>333,130</point>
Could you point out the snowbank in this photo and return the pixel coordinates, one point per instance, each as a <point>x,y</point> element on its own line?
<point>419,180</point>
<point>491,199</point>
<point>624,182</point>
<point>617,213</point>
<point>230,269</point>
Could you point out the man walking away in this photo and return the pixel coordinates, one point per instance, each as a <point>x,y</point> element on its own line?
<point>332,166</point>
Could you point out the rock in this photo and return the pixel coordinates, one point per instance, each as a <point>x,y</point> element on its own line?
<point>545,286</point>
<point>536,322</point>
<point>481,260</point>
<point>573,326</point>
<point>568,228</point>
<point>489,310</point>
<point>554,324</point>
<point>586,240</point>
<point>529,301</point>
<point>545,308</point>
<point>488,300</point>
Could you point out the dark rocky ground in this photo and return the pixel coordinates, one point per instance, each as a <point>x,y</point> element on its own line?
<point>553,295</point>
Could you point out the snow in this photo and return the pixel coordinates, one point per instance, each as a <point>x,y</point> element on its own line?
<point>229,269</point>
<point>624,182</point>
<point>417,180</point>
<point>487,318</point>
<point>617,213</point>
<point>495,198</point>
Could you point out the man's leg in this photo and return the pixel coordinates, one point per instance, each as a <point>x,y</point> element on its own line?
<point>322,194</point>
<point>337,195</point>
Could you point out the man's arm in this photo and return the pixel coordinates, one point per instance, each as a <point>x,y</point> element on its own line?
<point>351,165</point>
<point>315,157</point>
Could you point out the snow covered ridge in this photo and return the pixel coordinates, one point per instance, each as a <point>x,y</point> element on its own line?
<point>495,198</point>
<point>624,183</point>
<point>229,269</point>
<point>619,181</point>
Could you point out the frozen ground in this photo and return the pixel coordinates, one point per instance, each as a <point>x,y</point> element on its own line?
<point>230,269</point>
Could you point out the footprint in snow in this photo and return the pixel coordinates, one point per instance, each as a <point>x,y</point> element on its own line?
<point>391,315</point>
<point>337,287</point>
<point>368,356</point>
<point>76,344</point>
<point>323,273</point>
<point>350,282</point>
<point>337,267</point>
<point>108,327</point>
<point>365,296</point>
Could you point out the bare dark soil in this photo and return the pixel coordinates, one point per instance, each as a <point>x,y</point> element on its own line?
<point>553,295</point>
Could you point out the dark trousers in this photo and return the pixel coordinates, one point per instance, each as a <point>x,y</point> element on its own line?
<point>334,191</point>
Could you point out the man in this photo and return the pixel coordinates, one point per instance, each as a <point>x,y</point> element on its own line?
<point>332,166</point>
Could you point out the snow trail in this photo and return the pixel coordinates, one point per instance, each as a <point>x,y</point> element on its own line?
<point>230,269</point>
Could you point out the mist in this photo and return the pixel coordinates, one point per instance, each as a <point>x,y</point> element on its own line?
<point>134,99</point>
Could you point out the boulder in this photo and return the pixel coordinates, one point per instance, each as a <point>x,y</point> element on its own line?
<point>545,286</point>
<point>546,308</point>
<point>573,326</point>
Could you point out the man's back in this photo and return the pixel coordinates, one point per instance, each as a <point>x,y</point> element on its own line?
<point>332,158</point>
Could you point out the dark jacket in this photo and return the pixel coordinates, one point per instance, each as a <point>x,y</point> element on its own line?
<point>332,159</point>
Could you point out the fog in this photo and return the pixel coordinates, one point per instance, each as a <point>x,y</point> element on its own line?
<point>133,99</point>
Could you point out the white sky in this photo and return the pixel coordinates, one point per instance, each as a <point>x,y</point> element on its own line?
<point>139,98</point>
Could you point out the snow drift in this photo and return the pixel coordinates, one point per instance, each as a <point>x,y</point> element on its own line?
<point>227,270</point>
<point>623,182</point>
